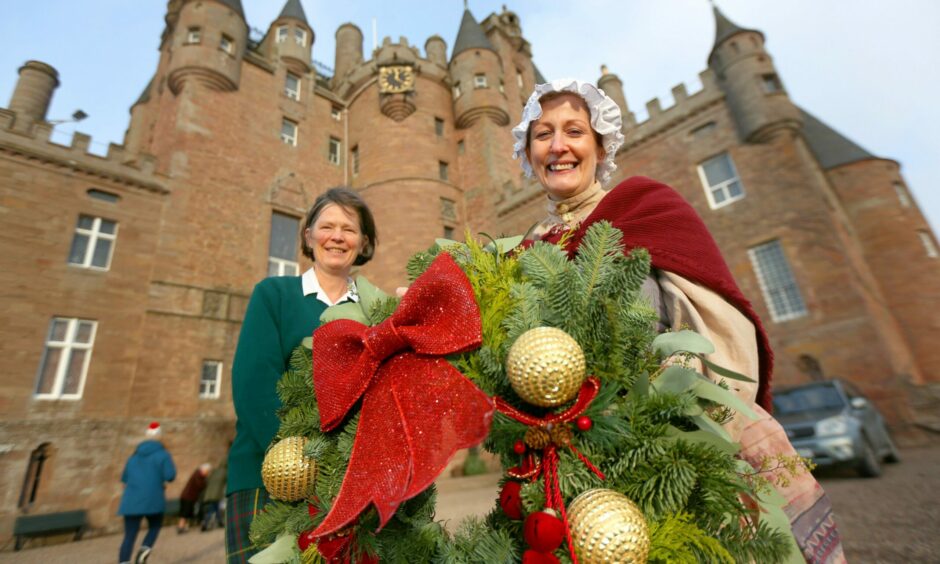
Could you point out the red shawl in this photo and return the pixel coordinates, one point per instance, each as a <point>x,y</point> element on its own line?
<point>654,216</point>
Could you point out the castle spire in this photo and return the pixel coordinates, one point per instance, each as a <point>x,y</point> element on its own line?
<point>470,36</point>
<point>294,10</point>
<point>236,6</point>
<point>725,28</point>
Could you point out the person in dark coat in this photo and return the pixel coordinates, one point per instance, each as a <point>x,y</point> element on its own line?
<point>145,476</point>
<point>190,495</point>
<point>212,496</point>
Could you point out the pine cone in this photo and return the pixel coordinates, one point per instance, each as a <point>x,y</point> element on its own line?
<point>537,438</point>
<point>561,435</point>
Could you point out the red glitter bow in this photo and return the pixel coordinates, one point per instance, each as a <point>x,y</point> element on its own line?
<point>417,410</point>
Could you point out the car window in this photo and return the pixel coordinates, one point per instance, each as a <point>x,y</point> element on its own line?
<point>808,399</point>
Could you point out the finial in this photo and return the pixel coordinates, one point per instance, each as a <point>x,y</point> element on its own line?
<point>604,70</point>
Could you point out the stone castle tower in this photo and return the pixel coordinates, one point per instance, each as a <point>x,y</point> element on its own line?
<point>128,275</point>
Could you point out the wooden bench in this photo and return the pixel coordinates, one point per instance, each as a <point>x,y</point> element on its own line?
<point>27,526</point>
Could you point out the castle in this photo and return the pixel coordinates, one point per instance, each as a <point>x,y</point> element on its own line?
<point>125,277</point>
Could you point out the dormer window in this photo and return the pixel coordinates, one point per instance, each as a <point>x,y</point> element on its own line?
<point>300,36</point>
<point>282,34</point>
<point>193,35</point>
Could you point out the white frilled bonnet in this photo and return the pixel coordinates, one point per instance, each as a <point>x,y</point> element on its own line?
<point>605,119</point>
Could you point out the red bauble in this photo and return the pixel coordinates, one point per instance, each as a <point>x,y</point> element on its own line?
<point>518,447</point>
<point>536,557</point>
<point>305,540</point>
<point>584,423</point>
<point>543,531</point>
<point>510,499</point>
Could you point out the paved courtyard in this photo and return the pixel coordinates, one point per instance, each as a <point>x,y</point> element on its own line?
<point>884,520</point>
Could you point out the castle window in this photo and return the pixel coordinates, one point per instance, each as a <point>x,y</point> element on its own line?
<point>449,232</point>
<point>93,243</point>
<point>439,127</point>
<point>734,47</point>
<point>721,182</point>
<point>355,160</point>
<point>519,81</point>
<point>930,247</point>
<point>282,250</point>
<point>442,170</point>
<point>457,91</point>
<point>448,210</point>
<point>777,283</point>
<point>336,113</point>
<point>903,198</point>
<point>335,149</point>
<point>300,37</point>
<point>65,358</point>
<point>37,460</point>
<point>193,35</point>
<point>479,81</point>
<point>502,86</point>
<point>225,44</point>
<point>282,32</point>
<point>771,83</point>
<point>210,381</point>
<point>103,196</point>
<point>461,147</point>
<point>292,86</point>
<point>289,132</point>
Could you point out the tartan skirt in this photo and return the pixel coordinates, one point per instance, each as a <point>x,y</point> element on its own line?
<point>240,509</point>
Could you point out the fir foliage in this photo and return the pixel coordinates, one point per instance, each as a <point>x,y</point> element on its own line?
<point>655,431</point>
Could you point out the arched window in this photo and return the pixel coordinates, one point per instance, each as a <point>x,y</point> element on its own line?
<point>37,460</point>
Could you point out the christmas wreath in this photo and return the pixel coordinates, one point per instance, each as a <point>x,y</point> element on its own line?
<point>612,442</point>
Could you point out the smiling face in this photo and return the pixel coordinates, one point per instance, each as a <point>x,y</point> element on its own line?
<point>563,149</point>
<point>336,239</point>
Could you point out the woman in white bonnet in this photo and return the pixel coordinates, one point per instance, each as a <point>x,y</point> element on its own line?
<point>568,137</point>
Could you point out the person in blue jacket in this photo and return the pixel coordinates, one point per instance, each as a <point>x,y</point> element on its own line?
<point>145,476</point>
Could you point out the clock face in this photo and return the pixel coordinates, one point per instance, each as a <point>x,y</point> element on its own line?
<point>395,79</point>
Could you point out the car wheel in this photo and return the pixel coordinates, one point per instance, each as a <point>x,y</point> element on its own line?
<point>868,465</point>
<point>893,456</point>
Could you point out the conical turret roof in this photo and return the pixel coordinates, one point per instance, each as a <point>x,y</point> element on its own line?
<point>235,5</point>
<point>294,10</point>
<point>725,28</point>
<point>829,146</point>
<point>470,36</point>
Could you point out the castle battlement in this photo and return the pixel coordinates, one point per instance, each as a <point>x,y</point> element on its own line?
<point>118,165</point>
<point>685,106</point>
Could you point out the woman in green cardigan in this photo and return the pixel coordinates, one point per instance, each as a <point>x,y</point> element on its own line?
<point>339,232</point>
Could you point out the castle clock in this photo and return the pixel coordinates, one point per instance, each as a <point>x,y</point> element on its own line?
<point>396,79</point>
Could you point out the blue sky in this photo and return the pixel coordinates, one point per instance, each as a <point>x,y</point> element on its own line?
<point>868,69</point>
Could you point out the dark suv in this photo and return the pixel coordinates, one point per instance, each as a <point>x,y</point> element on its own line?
<point>833,424</point>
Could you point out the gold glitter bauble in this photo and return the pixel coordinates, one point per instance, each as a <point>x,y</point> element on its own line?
<point>607,527</point>
<point>545,367</point>
<point>288,474</point>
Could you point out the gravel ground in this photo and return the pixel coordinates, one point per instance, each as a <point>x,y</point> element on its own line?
<point>891,519</point>
<point>894,518</point>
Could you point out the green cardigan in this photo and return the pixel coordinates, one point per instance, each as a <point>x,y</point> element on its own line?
<point>278,318</point>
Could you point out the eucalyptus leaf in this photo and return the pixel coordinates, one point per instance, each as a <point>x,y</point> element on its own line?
<point>682,341</point>
<point>721,370</point>
<point>369,293</point>
<point>307,343</point>
<point>444,243</point>
<point>642,386</point>
<point>706,423</point>
<point>281,550</point>
<point>710,439</point>
<point>504,245</point>
<point>348,310</point>
<point>706,389</point>
<point>676,379</point>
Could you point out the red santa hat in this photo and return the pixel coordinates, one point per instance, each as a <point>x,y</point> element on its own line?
<point>154,430</point>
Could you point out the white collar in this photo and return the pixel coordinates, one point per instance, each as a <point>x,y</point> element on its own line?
<point>311,285</point>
